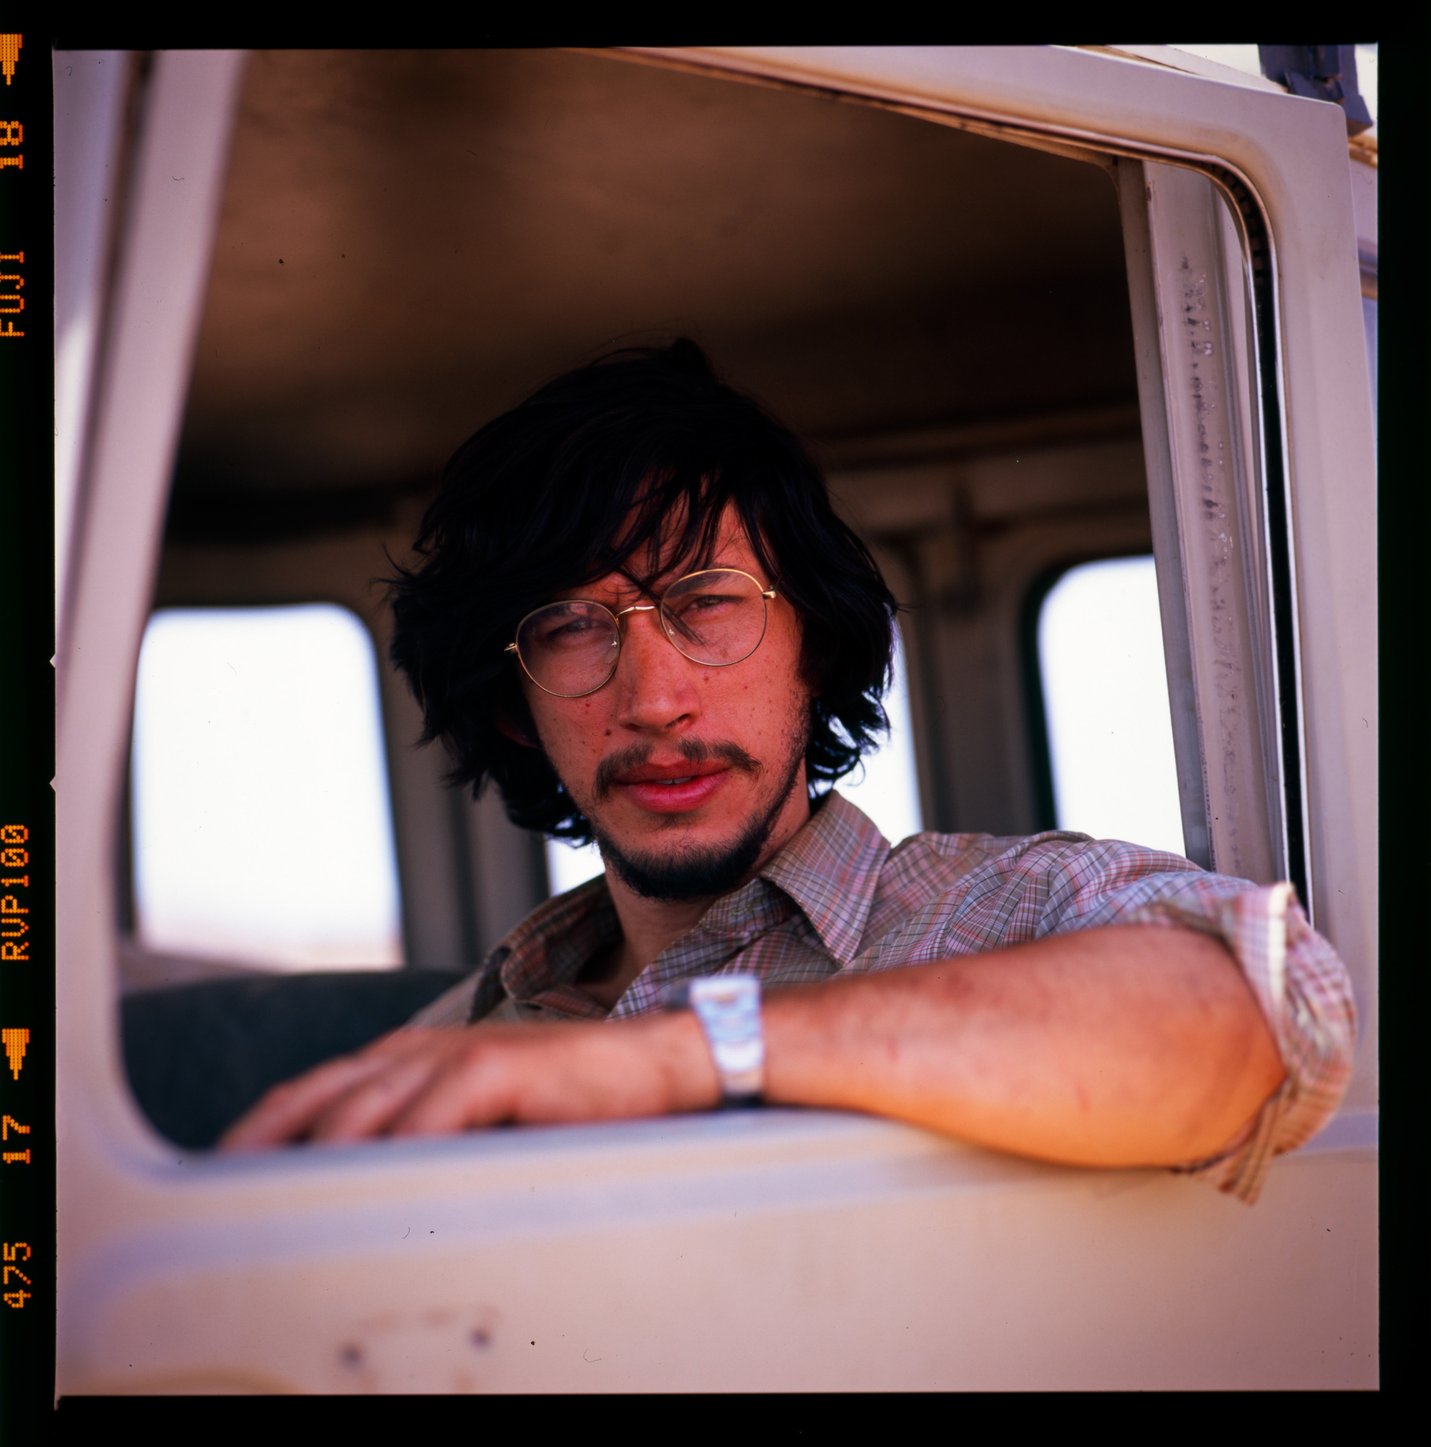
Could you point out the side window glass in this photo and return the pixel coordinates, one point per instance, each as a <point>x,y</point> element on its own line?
<point>886,788</point>
<point>262,832</point>
<point>1105,696</point>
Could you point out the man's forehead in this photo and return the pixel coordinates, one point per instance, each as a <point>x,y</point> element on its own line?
<point>673,554</point>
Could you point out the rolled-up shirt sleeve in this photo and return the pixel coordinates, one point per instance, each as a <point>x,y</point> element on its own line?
<point>1299,982</point>
<point>1302,989</point>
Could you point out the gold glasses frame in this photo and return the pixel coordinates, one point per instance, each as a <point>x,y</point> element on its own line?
<point>668,628</point>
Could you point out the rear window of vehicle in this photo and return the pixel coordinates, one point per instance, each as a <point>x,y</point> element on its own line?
<point>262,831</point>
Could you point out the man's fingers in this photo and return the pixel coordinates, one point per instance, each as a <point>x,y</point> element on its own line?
<point>284,1112</point>
<point>372,1105</point>
<point>469,1087</point>
<point>293,1110</point>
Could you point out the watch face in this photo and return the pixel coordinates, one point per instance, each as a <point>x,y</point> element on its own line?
<point>728,1007</point>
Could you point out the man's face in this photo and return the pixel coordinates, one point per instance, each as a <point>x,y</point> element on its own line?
<point>691,776</point>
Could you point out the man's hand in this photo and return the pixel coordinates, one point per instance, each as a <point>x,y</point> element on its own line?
<point>431,1082</point>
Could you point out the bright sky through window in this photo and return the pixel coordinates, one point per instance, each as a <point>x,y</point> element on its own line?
<point>1106,704</point>
<point>261,823</point>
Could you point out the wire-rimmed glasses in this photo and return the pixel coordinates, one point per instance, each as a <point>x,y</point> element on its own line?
<point>715,617</point>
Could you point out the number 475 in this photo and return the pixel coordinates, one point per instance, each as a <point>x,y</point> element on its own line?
<point>16,1299</point>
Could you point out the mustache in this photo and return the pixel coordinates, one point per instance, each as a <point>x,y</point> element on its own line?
<point>611,768</point>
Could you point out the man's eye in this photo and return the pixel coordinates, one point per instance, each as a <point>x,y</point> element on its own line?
<point>704,604</point>
<point>702,616</point>
<point>570,631</point>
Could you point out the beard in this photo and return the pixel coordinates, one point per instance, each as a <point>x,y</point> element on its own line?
<point>701,871</point>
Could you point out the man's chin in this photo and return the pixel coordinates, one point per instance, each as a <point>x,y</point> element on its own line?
<point>692,873</point>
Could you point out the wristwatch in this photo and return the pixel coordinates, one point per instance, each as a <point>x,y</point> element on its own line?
<point>728,1008</point>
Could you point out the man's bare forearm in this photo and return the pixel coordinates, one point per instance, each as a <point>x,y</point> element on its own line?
<point>1132,1045</point>
<point>1128,1045</point>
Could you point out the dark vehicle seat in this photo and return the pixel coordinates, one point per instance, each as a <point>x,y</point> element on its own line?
<point>199,1054</point>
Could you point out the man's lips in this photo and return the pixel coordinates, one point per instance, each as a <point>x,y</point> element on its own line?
<point>642,772</point>
<point>674,795</point>
<point>678,773</point>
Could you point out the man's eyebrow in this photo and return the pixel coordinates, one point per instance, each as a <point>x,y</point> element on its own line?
<point>597,590</point>
<point>652,584</point>
<point>648,586</point>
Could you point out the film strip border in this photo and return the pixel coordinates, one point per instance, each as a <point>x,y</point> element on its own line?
<point>27,813</point>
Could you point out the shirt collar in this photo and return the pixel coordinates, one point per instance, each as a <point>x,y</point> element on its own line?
<point>552,945</point>
<point>831,869</point>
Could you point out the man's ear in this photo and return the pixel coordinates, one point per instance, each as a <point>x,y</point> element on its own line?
<point>519,729</point>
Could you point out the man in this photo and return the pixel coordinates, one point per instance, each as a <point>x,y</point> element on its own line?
<point>636,611</point>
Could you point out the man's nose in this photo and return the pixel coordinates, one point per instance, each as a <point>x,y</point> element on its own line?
<point>655,684</point>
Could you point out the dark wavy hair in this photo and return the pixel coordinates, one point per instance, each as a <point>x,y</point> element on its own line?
<point>635,456</point>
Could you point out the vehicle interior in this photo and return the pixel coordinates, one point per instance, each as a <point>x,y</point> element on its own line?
<point>943,316</point>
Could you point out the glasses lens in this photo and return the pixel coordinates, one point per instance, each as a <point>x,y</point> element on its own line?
<point>715,617</point>
<point>569,648</point>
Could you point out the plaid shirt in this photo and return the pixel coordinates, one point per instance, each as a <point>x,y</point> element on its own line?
<point>839,899</point>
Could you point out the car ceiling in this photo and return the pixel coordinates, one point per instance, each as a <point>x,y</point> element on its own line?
<point>410,241</point>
